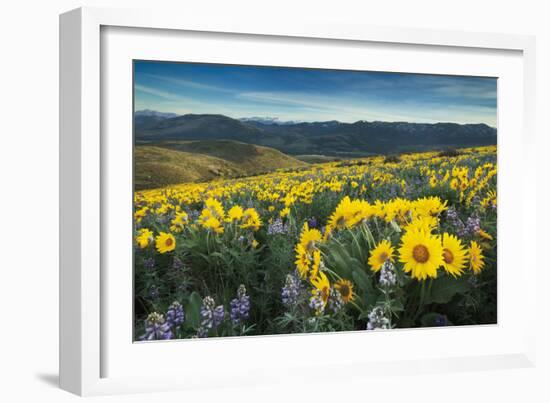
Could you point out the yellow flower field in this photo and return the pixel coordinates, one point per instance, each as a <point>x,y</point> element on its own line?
<point>370,243</point>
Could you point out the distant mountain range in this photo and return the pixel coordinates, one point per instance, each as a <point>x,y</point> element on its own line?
<point>148,118</point>
<point>330,138</point>
<point>151,113</point>
<point>266,120</point>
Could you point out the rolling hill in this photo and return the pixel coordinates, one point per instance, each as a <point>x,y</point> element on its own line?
<point>331,138</point>
<point>164,163</point>
<point>197,127</point>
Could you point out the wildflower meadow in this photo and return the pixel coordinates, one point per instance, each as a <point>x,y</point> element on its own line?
<point>351,245</point>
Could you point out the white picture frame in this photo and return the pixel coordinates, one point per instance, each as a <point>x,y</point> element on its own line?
<point>85,345</point>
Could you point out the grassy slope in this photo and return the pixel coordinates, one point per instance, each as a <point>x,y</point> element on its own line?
<point>165,163</point>
<point>315,158</point>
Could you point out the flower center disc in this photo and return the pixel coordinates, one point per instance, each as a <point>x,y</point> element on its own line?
<point>421,254</point>
<point>383,257</point>
<point>344,290</point>
<point>168,242</point>
<point>448,256</point>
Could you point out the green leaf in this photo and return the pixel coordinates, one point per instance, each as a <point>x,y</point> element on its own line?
<point>367,292</point>
<point>193,311</point>
<point>362,280</point>
<point>397,306</point>
<point>357,249</point>
<point>365,230</point>
<point>445,288</point>
<point>395,226</point>
<point>340,265</point>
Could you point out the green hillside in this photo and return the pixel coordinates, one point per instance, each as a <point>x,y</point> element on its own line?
<point>330,138</point>
<point>316,158</point>
<point>164,163</point>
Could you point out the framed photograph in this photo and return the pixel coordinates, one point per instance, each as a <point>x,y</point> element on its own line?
<point>241,197</point>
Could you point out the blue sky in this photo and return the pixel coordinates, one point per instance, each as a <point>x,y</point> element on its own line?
<point>313,94</point>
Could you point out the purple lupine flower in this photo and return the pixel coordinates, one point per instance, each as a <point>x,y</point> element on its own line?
<point>472,225</point>
<point>417,182</point>
<point>388,277</point>
<point>291,290</point>
<point>470,228</point>
<point>211,316</point>
<point>452,214</point>
<point>412,186</point>
<point>277,227</point>
<point>240,306</point>
<point>193,215</point>
<point>316,303</point>
<point>207,312</point>
<point>177,264</point>
<point>149,263</point>
<point>163,219</point>
<point>202,332</point>
<point>455,221</point>
<point>154,292</point>
<point>377,319</point>
<point>441,320</point>
<point>156,328</point>
<point>312,222</point>
<point>335,301</point>
<point>175,315</point>
<point>219,314</point>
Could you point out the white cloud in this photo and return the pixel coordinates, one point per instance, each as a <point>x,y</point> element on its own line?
<point>188,83</point>
<point>340,108</point>
<point>317,107</point>
<point>159,93</point>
